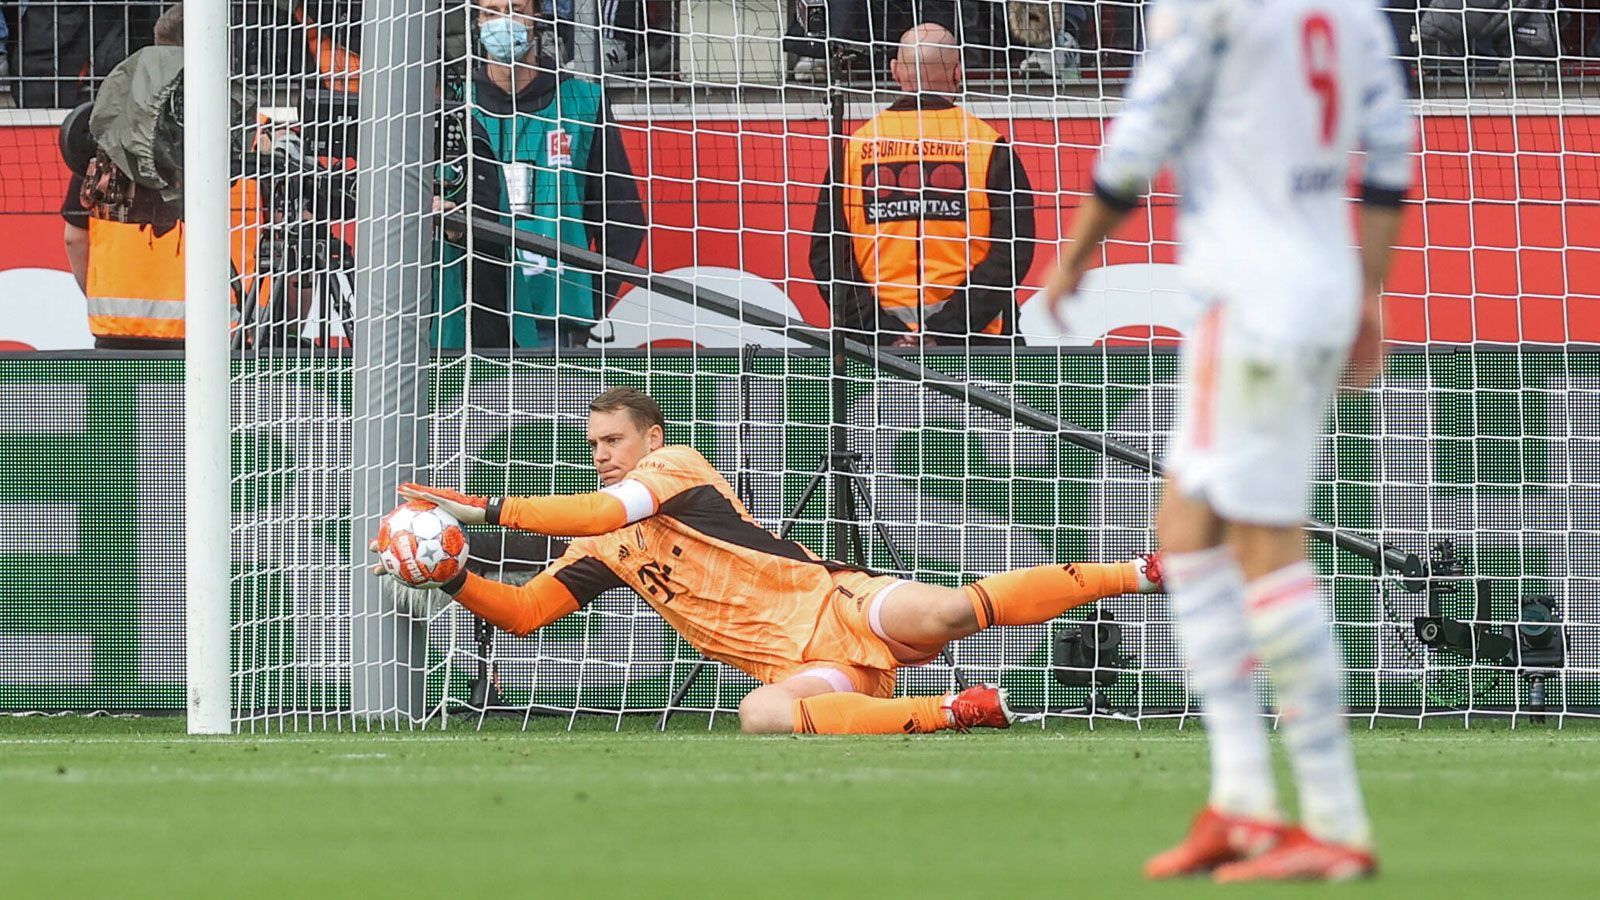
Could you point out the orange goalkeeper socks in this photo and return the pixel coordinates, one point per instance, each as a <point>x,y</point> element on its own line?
<point>1039,594</point>
<point>845,713</point>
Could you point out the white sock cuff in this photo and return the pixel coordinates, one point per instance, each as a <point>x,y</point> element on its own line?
<point>1182,570</point>
<point>1294,583</point>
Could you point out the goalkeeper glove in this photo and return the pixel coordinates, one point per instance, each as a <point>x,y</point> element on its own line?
<point>467,509</point>
<point>420,600</point>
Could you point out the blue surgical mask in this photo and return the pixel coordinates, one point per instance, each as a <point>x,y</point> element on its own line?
<point>504,39</point>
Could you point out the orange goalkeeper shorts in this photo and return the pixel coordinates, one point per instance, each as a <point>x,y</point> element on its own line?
<point>848,637</point>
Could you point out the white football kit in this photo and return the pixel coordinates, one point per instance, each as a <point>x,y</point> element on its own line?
<point>1258,105</point>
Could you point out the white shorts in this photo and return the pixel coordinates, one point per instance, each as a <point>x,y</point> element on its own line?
<point>1250,420</point>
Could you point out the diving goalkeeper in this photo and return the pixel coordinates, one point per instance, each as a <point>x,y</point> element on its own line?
<point>824,638</point>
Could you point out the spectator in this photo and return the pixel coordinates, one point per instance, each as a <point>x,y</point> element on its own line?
<point>638,36</point>
<point>1052,30</point>
<point>333,39</point>
<point>60,43</point>
<point>564,174</point>
<point>859,26</point>
<point>935,228</point>
<point>1461,31</point>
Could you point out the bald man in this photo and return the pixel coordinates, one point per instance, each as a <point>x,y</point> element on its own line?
<point>931,229</point>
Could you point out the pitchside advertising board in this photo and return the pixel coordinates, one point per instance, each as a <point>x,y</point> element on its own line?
<point>1493,447</point>
<point>1504,245</point>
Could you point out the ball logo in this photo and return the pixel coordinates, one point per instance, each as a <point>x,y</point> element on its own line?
<point>422,544</point>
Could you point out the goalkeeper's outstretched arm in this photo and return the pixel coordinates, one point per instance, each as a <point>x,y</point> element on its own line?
<point>518,609</point>
<point>567,515</point>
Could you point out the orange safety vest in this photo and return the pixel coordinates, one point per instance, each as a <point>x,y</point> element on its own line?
<point>917,206</point>
<point>340,67</point>
<point>135,280</point>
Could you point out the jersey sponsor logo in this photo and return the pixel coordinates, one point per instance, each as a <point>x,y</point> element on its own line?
<point>657,581</point>
<point>558,147</point>
<point>914,191</point>
<point>1318,180</point>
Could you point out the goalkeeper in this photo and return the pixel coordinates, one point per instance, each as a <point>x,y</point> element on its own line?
<point>824,638</point>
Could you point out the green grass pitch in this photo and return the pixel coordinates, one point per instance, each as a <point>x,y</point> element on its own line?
<point>133,808</point>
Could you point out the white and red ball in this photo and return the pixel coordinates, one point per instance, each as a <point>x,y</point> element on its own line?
<point>421,544</point>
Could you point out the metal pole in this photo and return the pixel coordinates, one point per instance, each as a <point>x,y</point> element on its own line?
<point>399,63</point>
<point>207,543</point>
<point>839,387</point>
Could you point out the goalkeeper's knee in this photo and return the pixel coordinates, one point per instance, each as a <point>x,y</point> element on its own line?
<point>767,710</point>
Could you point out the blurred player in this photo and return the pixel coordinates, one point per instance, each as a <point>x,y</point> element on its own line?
<point>824,638</point>
<point>1260,105</point>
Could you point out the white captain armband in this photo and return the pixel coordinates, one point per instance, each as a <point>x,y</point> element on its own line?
<point>635,497</point>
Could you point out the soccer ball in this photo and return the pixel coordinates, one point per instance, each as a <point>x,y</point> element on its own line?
<point>421,544</point>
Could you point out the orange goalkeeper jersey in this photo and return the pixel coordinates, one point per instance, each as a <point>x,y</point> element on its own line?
<point>734,590</point>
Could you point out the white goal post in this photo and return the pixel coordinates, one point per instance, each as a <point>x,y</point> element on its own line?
<point>208,474</point>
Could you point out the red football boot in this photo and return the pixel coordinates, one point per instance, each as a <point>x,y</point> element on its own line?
<point>1214,839</point>
<point>1302,857</point>
<point>979,706</point>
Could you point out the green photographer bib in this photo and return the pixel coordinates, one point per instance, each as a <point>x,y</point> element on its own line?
<point>544,158</point>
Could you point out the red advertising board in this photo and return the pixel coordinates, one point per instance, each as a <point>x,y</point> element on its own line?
<point>1503,246</point>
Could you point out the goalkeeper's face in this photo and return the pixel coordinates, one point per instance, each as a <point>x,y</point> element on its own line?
<point>618,442</point>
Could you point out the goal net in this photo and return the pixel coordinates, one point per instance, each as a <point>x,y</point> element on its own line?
<point>388,333</point>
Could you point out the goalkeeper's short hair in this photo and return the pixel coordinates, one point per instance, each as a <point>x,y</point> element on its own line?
<point>643,408</point>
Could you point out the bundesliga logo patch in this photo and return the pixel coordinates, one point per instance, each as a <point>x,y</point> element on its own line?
<point>558,147</point>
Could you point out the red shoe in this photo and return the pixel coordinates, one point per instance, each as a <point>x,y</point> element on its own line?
<point>1149,565</point>
<point>1301,857</point>
<point>981,705</point>
<point>1214,839</point>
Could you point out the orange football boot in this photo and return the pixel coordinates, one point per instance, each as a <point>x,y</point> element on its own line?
<point>1215,838</point>
<point>1302,857</point>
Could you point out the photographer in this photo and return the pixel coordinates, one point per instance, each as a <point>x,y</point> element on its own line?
<point>555,158</point>
<point>133,274</point>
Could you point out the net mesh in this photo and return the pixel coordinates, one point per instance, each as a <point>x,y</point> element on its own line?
<point>694,141</point>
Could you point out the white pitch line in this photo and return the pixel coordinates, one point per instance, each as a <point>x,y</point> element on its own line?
<point>1566,736</point>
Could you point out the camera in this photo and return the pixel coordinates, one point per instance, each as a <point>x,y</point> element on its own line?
<point>150,195</point>
<point>1087,654</point>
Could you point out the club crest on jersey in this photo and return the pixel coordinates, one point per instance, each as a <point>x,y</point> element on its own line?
<point>558,147</point>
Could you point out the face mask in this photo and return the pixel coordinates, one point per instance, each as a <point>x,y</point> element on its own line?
<point>504,39</point>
